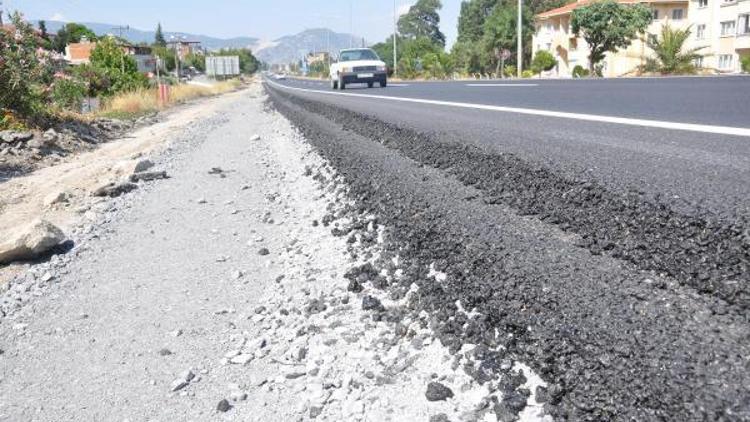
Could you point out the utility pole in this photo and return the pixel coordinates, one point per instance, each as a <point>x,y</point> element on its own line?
<point>519,35</point>
<point>119,30</point>
<point>351,24</point>
<point>395,32</point>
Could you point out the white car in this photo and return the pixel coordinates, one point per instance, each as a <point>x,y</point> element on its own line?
<point>358,65</point>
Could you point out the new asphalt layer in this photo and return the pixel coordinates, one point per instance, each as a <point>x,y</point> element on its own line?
<point>612,258</point>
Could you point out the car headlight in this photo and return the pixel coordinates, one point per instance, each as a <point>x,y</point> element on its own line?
<point>381,68</point>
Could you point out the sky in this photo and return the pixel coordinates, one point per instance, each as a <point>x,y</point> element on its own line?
<point>265,19</point>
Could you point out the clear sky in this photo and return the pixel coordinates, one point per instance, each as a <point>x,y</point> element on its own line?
<point>266,19</point>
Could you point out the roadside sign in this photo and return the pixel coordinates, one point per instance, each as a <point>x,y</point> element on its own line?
<point>222,65</point>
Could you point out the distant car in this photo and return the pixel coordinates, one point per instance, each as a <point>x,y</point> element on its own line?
<point>280,76</point>
<point>358,65</point>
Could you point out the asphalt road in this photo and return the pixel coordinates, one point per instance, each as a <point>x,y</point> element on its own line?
<point>695,171</point>
<point>611,258</point>
<point>701,100</point>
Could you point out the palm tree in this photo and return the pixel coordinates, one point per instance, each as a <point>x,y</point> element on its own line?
<point>670,57</point>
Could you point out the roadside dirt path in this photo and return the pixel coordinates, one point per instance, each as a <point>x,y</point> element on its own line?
<point>220,294</point>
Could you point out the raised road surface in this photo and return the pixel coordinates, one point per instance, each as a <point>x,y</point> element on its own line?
<point>598,228</point>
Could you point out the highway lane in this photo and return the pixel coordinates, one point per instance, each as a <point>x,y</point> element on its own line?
<point>693,171</point>
<point>698,100</point>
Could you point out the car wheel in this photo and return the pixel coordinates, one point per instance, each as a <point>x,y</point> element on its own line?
<point>334,84</point>
<point>370,84</point>
<point>342,85</point>
<point>383,83</point>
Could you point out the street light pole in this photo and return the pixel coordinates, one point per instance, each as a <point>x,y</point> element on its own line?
<point>351,24</point>
<point>395,32</point>
<point>519,35</point>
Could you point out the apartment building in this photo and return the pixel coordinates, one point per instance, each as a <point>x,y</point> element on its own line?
<point>720,26</point>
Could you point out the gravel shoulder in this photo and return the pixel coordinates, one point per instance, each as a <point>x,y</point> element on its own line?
<point>237,289</point>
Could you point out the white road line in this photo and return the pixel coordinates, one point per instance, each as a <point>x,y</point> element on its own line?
<point>720,130</point>
<point>511,85</point>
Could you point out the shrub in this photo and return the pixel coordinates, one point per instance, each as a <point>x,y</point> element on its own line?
<point>527,73</point>
<point>543,61</point>
<point>25,70</point>
<point>580,72</point>
<point>68,93</point>
<point>510,71</point>
<point>745,64</point>
<point>121,70</point>
<point>669,55</point>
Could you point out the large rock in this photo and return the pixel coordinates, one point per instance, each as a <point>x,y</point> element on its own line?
<point>30,241</point>
<point>11,137</point>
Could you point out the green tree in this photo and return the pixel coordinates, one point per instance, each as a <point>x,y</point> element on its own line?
<point>413,53</point>
<point>608,26</point>
<point>745,61</point>
<point>500,33</point>
<point>109,57</point>
<point>669,55</point>
<point>385,50</point>
<point>159,39</point>
<point>71,33</point>
<point>167,56</point>
<point>43,29</point>
<point>472,17</point>
<point>423,20</point>
<point>467,57</point>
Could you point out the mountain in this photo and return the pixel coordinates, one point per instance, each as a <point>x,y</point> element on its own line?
<point>291,48</point>
<point>283,50</point>
<point>137,35</point>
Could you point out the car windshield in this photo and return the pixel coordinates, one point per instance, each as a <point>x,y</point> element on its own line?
<point>352,55</point>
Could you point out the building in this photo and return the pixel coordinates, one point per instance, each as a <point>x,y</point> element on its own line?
<point>80,52</point>
<point>721,26</point>
<point>317,57</point>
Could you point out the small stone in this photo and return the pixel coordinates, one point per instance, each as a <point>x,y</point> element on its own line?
<point>242,358</point>
<point>179,384</point>
<point>223,406</point>
<point>143,165</point>
<point>188,375</point>
<point>437,391</point>
<point>237,274</point>
<point>440,417</point>
<point>371,303</point>
<point>354,286</point>
<point>263,251</point>
<point>165,352</point>
<point>201,200</point>
<point>294,375</point>
<point>255,137</point>
<point>315,411</point>
<point>238,396</point>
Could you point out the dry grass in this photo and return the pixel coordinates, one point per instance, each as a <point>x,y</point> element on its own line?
<point>145,101</point>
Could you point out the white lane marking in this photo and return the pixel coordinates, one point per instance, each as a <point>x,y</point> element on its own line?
<point>691,127</point>
<point>502,84</point>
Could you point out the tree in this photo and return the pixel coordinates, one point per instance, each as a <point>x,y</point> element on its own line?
<point>385,50</point>
<point>121,70</point>
<point>159,39</point>
<point>608,26</point>
<point>500,33</point>
<point>543,61</point>
<point>669,55</point>
<point>71,33</point>
<point>43,29</point>
<point>423,20</point>
<point>472,17</point>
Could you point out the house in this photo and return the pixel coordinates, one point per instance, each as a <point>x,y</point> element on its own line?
<point>553,33</point>
<point>80,52</point>
<point>721,27</point>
